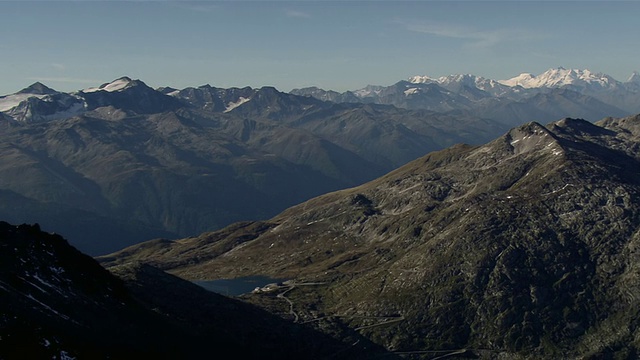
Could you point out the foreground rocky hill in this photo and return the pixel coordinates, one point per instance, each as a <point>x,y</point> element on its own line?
<point>526,247</point>
<point>57,303</point>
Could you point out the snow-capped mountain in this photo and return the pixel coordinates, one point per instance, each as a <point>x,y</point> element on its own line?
<point>130,95</point>
<point>624,95</point>
<point>504,100</point>
<point>37,90</point>
<point>633,83</point>
<point>561,77</point>
<point>10,101</point>
<point>39,103</point>
<point>459,81</point>
<point>584,81</point>
<point>461,92</point>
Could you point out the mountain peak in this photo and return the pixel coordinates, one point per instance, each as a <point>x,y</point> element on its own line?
<point>37,88</point>
<point>634,78</point>
<point>558,77</point>
<point>460,78</point>
<point>116,85</point>
<point>421,79</point>
<point>532,137</point>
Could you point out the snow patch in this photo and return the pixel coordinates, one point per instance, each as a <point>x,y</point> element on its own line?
<point>56,270</point>
<point>368,91</point>
<point>116,85</point>
<point>10,101</point>
<point>555,191</point>
<point>313,222</point>
<point>35,286</point>
<point>76,109</point>
<point>411,91</point>
<point>43,282</point>
<point>233,105</point>
<point>47,307</point>
<point>65,356</point>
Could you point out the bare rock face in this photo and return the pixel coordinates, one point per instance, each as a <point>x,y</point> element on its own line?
<point>524,247</point>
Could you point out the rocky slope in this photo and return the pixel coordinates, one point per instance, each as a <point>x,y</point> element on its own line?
<point>526,247</point>
<point>58,303</point>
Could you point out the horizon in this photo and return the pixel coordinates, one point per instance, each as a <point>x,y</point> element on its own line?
<point>286,44</point>
<point>257,87</point>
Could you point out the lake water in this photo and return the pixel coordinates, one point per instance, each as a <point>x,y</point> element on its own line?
<point>238,286</point>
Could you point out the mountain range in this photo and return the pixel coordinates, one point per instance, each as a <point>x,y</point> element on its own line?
<point>525,247</point>
<point>139,163</point>
<point>552,95</point>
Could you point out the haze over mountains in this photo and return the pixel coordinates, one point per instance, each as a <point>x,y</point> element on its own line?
<point>139,163</point>
<point>552,95</point>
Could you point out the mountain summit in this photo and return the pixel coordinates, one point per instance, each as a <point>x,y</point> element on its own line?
<point>559,77</point>
<point>116,85</point>
<point>128,95</point>
<point>634,78</point>
<point>37,88</point>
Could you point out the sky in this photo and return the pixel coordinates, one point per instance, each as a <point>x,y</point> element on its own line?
<point>346,45</point>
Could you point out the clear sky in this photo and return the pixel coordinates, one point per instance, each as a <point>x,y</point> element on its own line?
<point>70,45</point>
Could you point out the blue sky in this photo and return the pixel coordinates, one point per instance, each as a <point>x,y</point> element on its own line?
<point>70,45</point>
